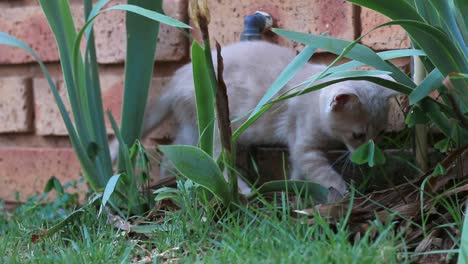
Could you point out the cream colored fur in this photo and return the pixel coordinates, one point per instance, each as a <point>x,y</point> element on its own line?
<point>351,112</point>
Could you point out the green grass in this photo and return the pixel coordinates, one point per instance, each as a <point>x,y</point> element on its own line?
<point>195,233</point>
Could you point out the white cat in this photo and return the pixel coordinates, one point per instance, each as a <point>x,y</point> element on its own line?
<point>350,112</point>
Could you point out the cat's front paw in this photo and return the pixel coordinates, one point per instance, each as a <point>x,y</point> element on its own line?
<point>334,195</point>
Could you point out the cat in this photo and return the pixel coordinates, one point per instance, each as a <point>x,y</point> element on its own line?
<point>348,113</point>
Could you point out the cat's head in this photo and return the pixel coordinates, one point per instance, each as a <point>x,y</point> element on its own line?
<point>357,112</point>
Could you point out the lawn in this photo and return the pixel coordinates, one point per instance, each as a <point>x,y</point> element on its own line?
<point>263,233</point>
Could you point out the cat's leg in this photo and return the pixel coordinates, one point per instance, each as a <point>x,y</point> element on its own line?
<point>312,165</point>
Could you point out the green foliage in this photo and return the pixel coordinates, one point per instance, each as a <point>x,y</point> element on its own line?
<point>54,184</point>
<point>204,94</point>
<point>142,34</point>
<point>368,153</point>
<point>198,166</point>
<point>88,133</point>
<point>439,28</point>
<point>108,191</point>
<point>269,232</point>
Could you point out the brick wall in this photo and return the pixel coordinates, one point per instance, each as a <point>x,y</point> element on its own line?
<point>33,140</point>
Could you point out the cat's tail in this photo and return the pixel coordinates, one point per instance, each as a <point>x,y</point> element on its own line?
<point>156,111</point>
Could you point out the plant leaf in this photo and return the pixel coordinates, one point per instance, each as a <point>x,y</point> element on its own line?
<point>383,82</point>
<point>198,166</point>
<point>416,116</point>
<point>368,153</point>
<point>88,168</point>
<point>429,84</point>
<point>71,217</point>
<point>110,187</point>
<point>54,184</point>
<point>142,36</point>
<point>205,99</point>
<point>447,55</point>
<point>143,10</point>
<point>285,76</point>
<point>337,46</point>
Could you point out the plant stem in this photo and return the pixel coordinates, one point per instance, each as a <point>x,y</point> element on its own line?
<point>224,122</point>
<point>421,130</point>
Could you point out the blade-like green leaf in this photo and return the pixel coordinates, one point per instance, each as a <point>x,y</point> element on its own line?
<point>337,46</point>
<point>459,7</point>
<point>395,8</point>
<point>138,7</point>
<point>131,188</point>
<point>88,169</point>
<point>93,87</point>
<point>198,166</point>
<point>433,110</point>
<point>368,153</point>
<point>463,251</point>
<point>286,75</point>
<point>429,84</point>
<point>447,56</point>
<point>84,99</point>
<point>205,99</point>
<point>382,82</point>
<point>384,55</point>
<point>108,191</point>
<point>54,184</point>
<point>416,116</point>
<point>70,218</point>
<point>142,34</point>
<point>448,23</point>
<point>359,73</point>
<point>60,20</point>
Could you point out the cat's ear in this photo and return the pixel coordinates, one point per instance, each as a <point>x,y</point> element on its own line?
<point>344,101</point>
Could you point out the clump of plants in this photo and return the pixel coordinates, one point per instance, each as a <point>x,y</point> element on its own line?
<point>423,207</point>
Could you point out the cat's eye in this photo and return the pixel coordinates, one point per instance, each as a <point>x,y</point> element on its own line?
<point>359,136</point>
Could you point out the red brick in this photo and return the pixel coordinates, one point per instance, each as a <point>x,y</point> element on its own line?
<point>15,105</point>
<point>28,24</point>
<point>111,38</point>
<point>48,120</point>
<point>385,38</point>
<point>26,170</point>
<point>309,16</point>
